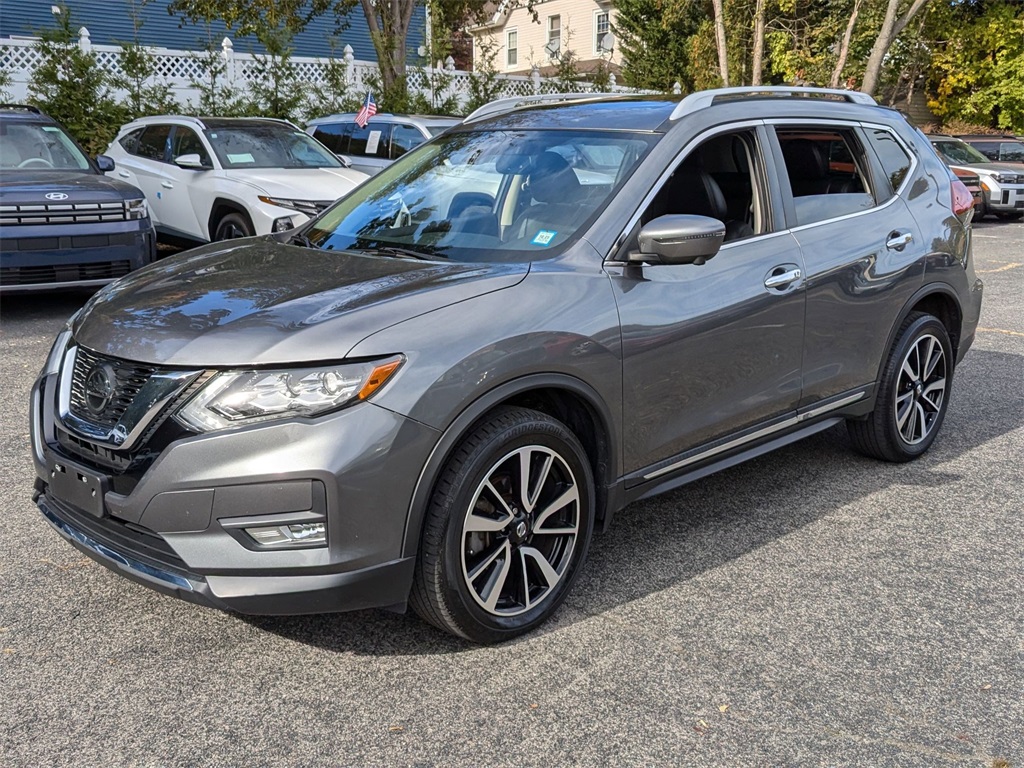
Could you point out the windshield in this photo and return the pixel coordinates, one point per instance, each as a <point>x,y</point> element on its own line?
<point>269,145</point>
<point>499,195</point>
<point>39,147</point>
<point>1011,152</point>
<point>959,152</point>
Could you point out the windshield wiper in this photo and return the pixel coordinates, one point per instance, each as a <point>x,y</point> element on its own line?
<point>300,239</point>
<point>401,253</point>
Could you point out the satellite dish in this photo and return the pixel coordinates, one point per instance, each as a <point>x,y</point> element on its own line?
<point>607,42</point>
<point>421,51</point>
<point>552,48</point>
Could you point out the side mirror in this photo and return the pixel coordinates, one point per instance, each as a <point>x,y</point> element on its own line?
<point>191,161</point>
<point>679,239</point>
<point>344,159</point>
<point>105,163</point>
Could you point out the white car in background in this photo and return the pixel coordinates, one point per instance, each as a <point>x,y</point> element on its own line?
<point>216,178</point>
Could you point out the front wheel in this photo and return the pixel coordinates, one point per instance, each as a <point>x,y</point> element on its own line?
<point>507,529</point>
<point>913,393</point>
<point>232,226</point>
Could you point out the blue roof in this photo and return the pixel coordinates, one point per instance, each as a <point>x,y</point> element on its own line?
<point>109,23</point>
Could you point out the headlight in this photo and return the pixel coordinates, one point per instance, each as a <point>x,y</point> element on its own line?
<point>245,397</point>
<point>1004,178</point>
<point>308,207</point>
<point>137,208</point>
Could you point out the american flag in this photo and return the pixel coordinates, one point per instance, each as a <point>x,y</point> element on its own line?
<point>368,110</point>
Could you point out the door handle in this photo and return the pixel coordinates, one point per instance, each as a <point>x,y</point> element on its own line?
<point>124,174</point>
<point>166,185</point>
<point>782,279</point>
<point>899,240</point>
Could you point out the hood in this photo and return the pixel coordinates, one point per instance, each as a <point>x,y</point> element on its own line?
<point>992,168</point>
<point>303,183</point>
<point>79,186</point>
<point>258,302</point>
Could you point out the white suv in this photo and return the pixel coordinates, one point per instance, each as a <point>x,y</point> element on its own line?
<point>218,178</point>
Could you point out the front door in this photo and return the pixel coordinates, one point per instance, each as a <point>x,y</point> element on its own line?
<point>710,350</point>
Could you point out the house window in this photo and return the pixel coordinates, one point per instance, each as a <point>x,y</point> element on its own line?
<point>554,46</point>
<point>511,47</point>
<point>602,26</point>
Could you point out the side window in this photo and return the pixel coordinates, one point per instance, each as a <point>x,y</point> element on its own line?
<point>187,142</point>
<point>130,141</point>
<point>989,149</point>
<point>827,171</point>
<point>334,136</point>
<point>153,142</point>
<point>894,159</point>
<point>722,179</point>
<point>404,138</point>
<point>371,141</point>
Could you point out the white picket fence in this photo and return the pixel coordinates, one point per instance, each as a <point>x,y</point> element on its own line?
<point>180,69</point>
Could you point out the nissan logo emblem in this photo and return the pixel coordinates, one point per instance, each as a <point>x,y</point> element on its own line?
<point>56,196</point>
<point>99,389</point>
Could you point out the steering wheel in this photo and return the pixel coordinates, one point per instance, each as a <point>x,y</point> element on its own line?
<point>35,161</point>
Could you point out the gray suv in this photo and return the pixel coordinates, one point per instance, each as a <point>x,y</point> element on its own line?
<point>432,394</point>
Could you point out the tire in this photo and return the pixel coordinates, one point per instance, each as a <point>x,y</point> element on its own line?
<point>232,226</point>
<point>913,394</point>
<point>495,562</point>
<point>1010,215</point>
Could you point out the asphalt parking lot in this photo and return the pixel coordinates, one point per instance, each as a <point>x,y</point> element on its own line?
<point>809,608</point>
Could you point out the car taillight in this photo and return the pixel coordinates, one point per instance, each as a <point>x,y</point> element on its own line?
<point>963,201</point>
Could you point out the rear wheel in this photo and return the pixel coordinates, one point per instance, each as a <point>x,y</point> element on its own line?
<point>234,225</point>
<point>507,529</point>
<point>913,393</point>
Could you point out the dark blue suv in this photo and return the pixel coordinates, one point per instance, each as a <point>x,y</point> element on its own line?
<point>62,222</point>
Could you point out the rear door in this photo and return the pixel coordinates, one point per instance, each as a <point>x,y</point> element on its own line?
<point>145,161</point>
<point>863,251</point>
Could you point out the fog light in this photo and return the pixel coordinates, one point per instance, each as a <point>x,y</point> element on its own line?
<point>305,534</point>
<point>283,224</point>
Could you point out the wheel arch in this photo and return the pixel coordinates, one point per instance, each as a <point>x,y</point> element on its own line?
<point>563,397</point>
<point>939,300</point>
<point>221,207</point>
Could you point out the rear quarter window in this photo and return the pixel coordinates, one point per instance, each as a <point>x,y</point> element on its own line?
<point>892,156</point>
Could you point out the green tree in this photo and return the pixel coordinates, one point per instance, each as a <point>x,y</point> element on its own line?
<point>137,77</point>
<point>977,70</point>
<point>655,40</point>
<point>70,85</point>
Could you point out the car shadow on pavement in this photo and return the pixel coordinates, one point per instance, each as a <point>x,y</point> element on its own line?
<point>667,540</point>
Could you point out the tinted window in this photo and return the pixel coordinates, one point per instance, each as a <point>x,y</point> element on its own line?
<point>187,142</point>
<point>894,159</point>
<point>130,141</point>
<point>404,138</point>
<point>371,141</point>
<point>334,136</point>
<point>1011,152</point>
<point>153,142</point>
<point>827,172</point>
<point>989,149</point>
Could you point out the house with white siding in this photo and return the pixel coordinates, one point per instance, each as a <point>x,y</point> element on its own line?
<point>516,42</point>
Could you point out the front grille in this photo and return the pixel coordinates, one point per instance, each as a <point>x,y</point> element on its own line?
<point>130,539</point>
<point>64,273</point>
<point>130,378</point>
<point>970,181</point>
<point>65,243</point>
<point>65,213</point>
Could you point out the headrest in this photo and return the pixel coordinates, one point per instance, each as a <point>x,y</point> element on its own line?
<point>552,179</point>
<point>805,159</point>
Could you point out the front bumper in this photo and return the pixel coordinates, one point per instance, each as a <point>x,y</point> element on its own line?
<point>47,257</point>
<point>179,529</point>
<point>1004,198</point>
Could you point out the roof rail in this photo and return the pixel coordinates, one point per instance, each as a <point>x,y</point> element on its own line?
<point>26,107</point>
<point>704,99</point>
<point>500,106</point>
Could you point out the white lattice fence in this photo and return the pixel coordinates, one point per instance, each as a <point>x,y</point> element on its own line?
<point>182,69</point>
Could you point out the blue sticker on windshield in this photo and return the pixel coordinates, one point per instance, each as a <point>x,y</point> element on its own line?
<point>544,237</point>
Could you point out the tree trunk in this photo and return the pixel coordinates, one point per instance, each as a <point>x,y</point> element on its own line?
<point>844,50</point>
<point>891,28</point>
<point>755,75</point>
<point>723,60</point>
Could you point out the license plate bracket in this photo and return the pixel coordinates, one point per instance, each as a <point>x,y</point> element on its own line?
<point>79,487</point>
